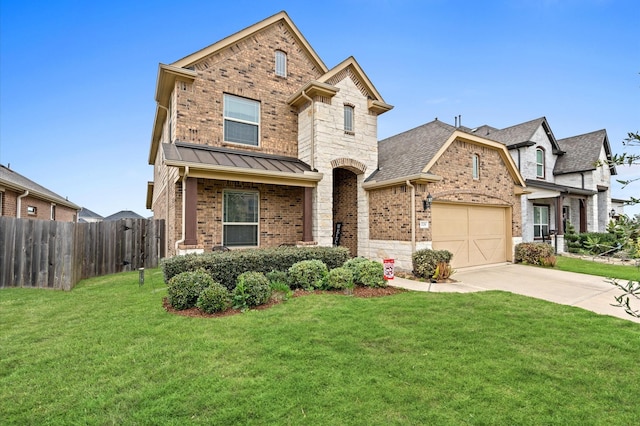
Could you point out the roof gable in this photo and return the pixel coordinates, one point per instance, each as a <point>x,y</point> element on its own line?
<point>582,152</point>
<point>414,152</point>
<point>520,134</point>
<point>280,17</point>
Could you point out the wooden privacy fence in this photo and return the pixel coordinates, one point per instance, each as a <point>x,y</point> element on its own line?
<point>51,254</point>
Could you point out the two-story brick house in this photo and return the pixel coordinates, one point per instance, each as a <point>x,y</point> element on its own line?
<point>567,179</point>
<point>23,198</point>
<point>256,143</point>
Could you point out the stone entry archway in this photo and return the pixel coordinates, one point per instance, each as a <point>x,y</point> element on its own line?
<point>345,209</point>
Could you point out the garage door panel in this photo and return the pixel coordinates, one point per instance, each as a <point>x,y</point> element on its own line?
<point>475,235</point>
<point>459,248</point>
<point>487,250</point>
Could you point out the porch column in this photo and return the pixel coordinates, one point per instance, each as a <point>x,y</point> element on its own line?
<point>559,219</point>
<point>191,212</point>
<point>307,213</point>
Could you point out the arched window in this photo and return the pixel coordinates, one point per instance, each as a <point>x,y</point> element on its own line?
<point>476,166</point>
<point>540,163</point>
<point>281,63</point>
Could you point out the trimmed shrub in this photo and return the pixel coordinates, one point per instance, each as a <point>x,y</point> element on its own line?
<point>252,289</point>
<point>534,254</point>
<point>426,261</point>
<point>571,239</point>
<point>215,298</point>
<point>371,274</point>
<point>354,265</point>
<point>276,277</point>
<point>225,267</point>
<point>185,288</point>
<point>339,279</point>
<point>307,274</point>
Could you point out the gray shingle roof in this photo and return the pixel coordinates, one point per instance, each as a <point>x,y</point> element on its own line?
<point>581,152</point>
<point>18,182</point>
<point>407,153</point>
<point>520,133</point>
<point>86,213</point>
<point>123,214</point>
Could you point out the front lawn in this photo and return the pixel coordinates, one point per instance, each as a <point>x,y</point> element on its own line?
<point>621,272</point>
<point>108,353</point>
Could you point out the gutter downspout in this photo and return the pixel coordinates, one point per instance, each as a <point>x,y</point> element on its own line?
<point>184,197</point>
<point>312,161</point>
<point>19,203</point>
<point>413,217</point>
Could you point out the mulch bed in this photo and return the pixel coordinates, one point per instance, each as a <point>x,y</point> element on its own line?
<point>363,292</point>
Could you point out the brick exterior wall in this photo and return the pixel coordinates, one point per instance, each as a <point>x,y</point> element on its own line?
<point>389,211</point>
<point>345,208</point>
<point>280,220</point>
<point>246,69</point>
<point>43,208</point>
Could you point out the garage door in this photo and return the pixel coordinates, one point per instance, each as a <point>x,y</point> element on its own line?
<point>475,235</point>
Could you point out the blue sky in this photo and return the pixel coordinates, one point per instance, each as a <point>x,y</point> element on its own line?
<point>77,78</point>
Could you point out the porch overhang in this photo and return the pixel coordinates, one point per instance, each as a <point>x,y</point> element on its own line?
<point>417,178</point>
<point>226,164</point>
<point>551,190</point>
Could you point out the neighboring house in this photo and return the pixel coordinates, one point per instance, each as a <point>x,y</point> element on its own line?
<point>23,198</point>
<point>87,216</point>
<point>123,214</point>
<point>563,178</point>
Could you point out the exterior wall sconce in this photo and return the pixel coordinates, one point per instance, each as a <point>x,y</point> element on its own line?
<point>426,204</point>
<point>612,213</point>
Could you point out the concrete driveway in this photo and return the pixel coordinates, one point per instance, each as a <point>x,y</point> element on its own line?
<point>568,288</point>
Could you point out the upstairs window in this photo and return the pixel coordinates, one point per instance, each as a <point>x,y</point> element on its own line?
<point>281,63</point>
<point>348,119</point>
<point>476,166</point>
<point>32,210</point>
<point>241,120</point>
<point>540,163</point>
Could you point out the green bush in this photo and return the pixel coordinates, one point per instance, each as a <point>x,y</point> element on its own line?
<point>215,298</point>
<point>598,242</point>
<point>252,289</point>
<point>225,267</point>
<point>354,265</point>
<point>426,261</point>
<point>275,277</point>
<point>371,274</point>
<point>185,288</point>
<point>307,274</point>
<point>571,239</point>
<point>535,254</point>
<point>339,279</point>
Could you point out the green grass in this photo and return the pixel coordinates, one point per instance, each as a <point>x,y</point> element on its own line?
<point>107,353</point>
<point>622,272</point>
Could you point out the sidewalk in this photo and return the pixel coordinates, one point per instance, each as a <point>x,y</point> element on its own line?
<point>567,288</point>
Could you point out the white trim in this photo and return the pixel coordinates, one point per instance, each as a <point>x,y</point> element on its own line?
<point>238,120</point>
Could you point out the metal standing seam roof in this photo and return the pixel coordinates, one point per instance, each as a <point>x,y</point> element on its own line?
<point>15,180</point>
<point>581,152</point>
<point>193,155</point>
